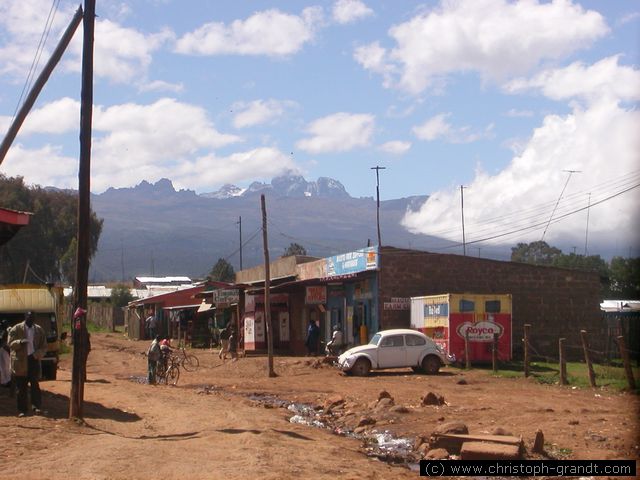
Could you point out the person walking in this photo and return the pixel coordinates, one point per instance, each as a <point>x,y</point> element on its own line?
<point>153,357</point>
<point>28,344</point>
<point>225,333</point>
<point>233,343</point>
<point>313,334</point>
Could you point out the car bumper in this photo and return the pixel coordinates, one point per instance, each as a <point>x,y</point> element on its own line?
<point>345,364</point>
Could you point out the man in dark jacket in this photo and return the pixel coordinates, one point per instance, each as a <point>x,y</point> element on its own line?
<point>28,344</point>
<point>313,335</point>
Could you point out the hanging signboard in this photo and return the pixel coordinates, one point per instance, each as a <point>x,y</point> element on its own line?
<point>226,295</point>
<point>315,295</point>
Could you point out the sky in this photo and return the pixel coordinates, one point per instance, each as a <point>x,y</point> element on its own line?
<point>531,106</point>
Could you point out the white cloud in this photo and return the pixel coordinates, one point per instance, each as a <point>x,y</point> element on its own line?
<point>160,86</point>
<point>605,78</point>
<point>348,11</point>
<point>395,147</point>
<point>211,170</point>
<point>438,127</point>
<point>259,112</point>
<point>122,55</point>
<point>495,38</point>
<point>600,141</point>
<point>270,32</point>
<point>339,132</point>
<point>47,165</point>
<point>58,117</point>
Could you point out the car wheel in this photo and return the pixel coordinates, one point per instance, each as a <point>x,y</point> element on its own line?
<point>361,368</point>
<point>416,369</point>
<point>431,365</point>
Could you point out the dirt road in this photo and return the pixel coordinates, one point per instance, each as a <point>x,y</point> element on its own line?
<point>230,420</point>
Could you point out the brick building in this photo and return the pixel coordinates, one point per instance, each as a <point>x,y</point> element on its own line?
<point>371,287</point>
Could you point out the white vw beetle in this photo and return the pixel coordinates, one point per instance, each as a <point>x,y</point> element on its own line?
<point>395,349</point>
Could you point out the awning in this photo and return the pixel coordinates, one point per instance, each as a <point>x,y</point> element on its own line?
<point>182,307</point>
<point>205,307</point>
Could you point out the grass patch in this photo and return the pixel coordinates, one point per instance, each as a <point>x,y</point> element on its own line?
<point>609,376</point>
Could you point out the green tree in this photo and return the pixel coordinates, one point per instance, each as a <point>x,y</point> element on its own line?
<point>537,253</point>
<point>294,249</point>
<point>625,278</point>
<point>46,245</point>
<point>120,295</point>
<point>591,263</point>
<point>222,271</point>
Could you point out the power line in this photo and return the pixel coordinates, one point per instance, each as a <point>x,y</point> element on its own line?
<point>571,172</point>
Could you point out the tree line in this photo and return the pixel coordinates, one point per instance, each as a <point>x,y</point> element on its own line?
<point>620,277</point>
<point>45,250</point>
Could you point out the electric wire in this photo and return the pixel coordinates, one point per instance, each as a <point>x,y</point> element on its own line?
<point>37,55</point>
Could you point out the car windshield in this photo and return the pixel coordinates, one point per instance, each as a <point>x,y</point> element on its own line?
<point>375,339</point>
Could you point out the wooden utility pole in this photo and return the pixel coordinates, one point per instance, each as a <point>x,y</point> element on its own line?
<point>587,359</point>
<point>39,84</point>
<point>526,349</point>
<point>267,287</point>
<point>80,335</point>
<point>467,360</point>
<point>464,240</point>
<point>494,353</point>
<point>624,353</point>
<point>563,362</point>
<point>377,169</point>
<point>240,224</point>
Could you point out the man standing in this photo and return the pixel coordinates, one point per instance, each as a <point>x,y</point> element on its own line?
<point>153,357</point>
<point>28,344</point>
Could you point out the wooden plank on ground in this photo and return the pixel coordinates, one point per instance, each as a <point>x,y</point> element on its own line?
<point>489,451</point>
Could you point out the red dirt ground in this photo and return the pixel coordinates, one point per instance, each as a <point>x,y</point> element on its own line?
<point>210,427</point>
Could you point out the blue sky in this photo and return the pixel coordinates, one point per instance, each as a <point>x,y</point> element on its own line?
<point>496,95</point>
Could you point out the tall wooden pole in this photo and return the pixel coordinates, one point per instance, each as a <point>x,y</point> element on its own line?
<point>267,287</point>
<point>240,224</point>
<point>526,349</point>
<point>377,169</point>
<point>80,338</point>
<point>624,353</point>
<point>38,85</point>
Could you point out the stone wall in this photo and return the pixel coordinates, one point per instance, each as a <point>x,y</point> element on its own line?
<point>556,302</point>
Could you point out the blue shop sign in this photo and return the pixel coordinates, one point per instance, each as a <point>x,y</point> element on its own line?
<point>353,262</point>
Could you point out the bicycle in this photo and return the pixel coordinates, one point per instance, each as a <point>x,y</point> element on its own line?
<point>188,361</point>
<point>171,375</point>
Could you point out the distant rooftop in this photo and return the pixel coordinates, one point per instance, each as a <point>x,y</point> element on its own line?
<point>140,281</point>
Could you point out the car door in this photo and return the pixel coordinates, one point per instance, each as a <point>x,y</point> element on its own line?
<point>392,352</point>
<point>415,345</point>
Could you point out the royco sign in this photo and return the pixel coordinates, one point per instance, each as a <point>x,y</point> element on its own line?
<point>480,331</point>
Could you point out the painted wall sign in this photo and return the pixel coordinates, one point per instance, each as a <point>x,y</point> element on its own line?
<point>396,305</point>
<point>480,331</point>
<point>353,262</point>
<point>315,295</point>
<point>226,295</point>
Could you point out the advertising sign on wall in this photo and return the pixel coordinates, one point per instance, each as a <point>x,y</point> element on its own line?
<point>353,262</point>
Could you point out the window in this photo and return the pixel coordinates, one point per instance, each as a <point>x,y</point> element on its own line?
<point>467,305</point>
<point>492,306</point>
<point>414,340</point>
<point>392,341</point>
<point>374,340</point>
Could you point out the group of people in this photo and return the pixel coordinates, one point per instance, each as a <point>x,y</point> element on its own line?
<point>25,343</point>
<point>333,347</point>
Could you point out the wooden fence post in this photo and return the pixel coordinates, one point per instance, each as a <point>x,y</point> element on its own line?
<point>494,353</point>
<point>627,365</point>
<point>585,348</point>
<point>466,350</point>
<point>526,349</point>
<point>563,362</point>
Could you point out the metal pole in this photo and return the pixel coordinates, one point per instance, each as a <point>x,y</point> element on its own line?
<point>39,84</point>
<point>570,172</point>
<point>464,242</point>
<point>377,169</point>
<point>84,215</point>
<point>240,224</point>
<point>586,234</point>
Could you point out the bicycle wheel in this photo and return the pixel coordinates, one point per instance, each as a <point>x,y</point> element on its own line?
<point>190,363</point>
<point>172,376</point>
